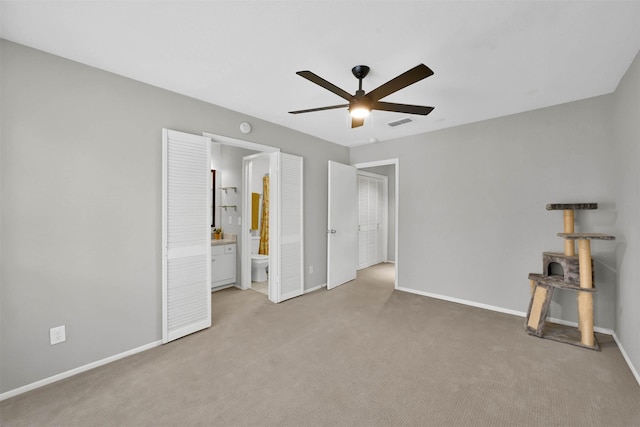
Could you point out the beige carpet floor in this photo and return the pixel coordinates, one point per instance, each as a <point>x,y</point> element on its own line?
<point>359,355</point>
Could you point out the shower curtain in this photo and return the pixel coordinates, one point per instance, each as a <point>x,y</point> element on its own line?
<point>264,224</point>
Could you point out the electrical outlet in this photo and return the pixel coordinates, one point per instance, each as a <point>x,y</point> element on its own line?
<point>239,220</point>
<point>311,269</point>
<point>57,335</point>
<point>230,220</point>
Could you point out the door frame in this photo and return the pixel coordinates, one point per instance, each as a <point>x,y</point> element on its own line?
<point>245,236</point>
<point>396,163</point>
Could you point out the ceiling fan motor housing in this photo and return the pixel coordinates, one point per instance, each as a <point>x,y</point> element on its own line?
<point>360,71</point>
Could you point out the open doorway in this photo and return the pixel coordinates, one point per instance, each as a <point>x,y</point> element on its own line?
<point>236,216</point>
<point>286,238</point>
<point>378,242</point>
<point>256,215</point>
<point>342,224</point>
<point>373,217</point>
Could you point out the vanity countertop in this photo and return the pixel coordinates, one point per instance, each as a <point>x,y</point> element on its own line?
<point>218,242</point>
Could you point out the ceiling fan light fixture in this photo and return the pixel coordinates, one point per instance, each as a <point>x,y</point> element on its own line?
<point>360,107</point>
<point>359,112</point>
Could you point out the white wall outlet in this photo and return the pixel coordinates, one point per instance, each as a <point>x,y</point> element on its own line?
<point>239,220</point>
<point>311,269</point>
<point>57,335</point>
<point>230,220</point>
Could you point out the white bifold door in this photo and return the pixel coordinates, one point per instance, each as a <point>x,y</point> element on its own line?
<point>186,234</point>
<point>286,227</point>
<point>372,208</point>
<point>286,249</point>
<point>342,225</point>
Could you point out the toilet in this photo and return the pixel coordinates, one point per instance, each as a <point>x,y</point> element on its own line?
<point>259,263</point>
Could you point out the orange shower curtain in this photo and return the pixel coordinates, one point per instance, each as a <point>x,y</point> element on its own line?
<point>264,224</point>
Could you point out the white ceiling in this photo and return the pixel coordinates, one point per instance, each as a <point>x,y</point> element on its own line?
<point>490,58</point>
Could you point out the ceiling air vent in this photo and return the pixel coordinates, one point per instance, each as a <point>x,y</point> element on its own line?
<point>399,122</point>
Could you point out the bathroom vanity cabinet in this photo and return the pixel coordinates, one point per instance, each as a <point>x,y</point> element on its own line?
<point>223,264</point>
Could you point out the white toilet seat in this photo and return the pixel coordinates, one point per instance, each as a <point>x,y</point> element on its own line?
<point>259,265</point>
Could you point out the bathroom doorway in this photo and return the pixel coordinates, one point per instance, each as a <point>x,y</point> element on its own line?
<point>256,217</point>
<point>243,280</point>
<point>286,238</point>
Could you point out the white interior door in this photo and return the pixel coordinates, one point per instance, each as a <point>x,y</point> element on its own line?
<point>289,267</point>
<point>186,234</point>
<point>342,225</point>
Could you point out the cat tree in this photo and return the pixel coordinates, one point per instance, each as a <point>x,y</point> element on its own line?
<point>576,275</point>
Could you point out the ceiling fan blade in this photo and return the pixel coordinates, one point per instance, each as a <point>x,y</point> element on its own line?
<point>405,79</point>
<point>356,122</point>
<point>311,110</point>
<point>325,84</point>
<point>402,108</point>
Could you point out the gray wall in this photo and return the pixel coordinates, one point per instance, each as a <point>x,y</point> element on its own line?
<point>476,195</point>
<point>81,207</point>
<point>472,199</point>
<point>626,121</point>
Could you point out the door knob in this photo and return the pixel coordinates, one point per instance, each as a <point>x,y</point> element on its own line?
<point>331,231</point>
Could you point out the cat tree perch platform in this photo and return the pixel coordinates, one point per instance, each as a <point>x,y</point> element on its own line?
<point>577,276</point>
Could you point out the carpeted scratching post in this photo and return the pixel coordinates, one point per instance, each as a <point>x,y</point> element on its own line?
<point>576,275</point>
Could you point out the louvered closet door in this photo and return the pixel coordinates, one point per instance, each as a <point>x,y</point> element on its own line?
<point>186,234</point>
<point>363,221</point>
<point>370,221</point>
<point>380,221</point>
<point>290,282</point>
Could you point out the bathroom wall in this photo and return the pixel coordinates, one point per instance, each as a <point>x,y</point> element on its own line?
<point>231,176</point>
<point>259,168</point>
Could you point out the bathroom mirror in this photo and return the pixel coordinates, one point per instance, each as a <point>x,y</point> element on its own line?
<point>213,198</point>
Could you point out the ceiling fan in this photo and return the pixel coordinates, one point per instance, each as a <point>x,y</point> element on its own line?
<point>361,103</point>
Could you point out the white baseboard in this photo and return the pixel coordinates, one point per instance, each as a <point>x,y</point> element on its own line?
<point>75,371</point>
<point>598,329</point>
<point>626,358</point>
<point>464,302</point>
<point>92,365</point>
<point>306,291</point>
<point>498,309</point>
